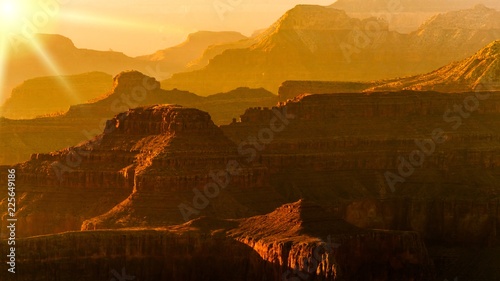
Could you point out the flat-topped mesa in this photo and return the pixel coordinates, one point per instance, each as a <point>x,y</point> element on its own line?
<point>378,104</point>
<point>163,119</point>
<point>130,89</point>
<point>134,80</point>
<point>292,88</point>
<point>155,155</point>
<point>167,139</point>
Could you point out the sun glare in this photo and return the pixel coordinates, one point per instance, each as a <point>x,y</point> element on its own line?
<point>10,10</point>
<point>25,18</point>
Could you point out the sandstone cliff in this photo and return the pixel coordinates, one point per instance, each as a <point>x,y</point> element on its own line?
<point>341,147</point>
<point>298,240</point>
<point>149,160</point>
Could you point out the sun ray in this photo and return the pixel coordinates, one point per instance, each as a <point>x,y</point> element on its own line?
<point>3,59</point>
<point>52,66</point>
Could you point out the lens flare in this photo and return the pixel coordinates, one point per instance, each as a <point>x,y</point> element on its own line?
<point>10,12</point>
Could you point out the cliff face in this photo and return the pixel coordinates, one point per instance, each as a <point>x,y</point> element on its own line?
<point>166,164</point>
<point>137,255</point>
<point>181,150</point>
<point>145,158</point>
<point>357,155</point>
<point>351,147</point>
<point>283,245</point>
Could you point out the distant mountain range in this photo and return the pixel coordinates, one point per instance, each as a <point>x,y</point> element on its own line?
<point>410,5</point>
<point>406,15</point>
<point>20,138</point>
<point>320,43</point>
<point>56,53</point>
<point>178,58</point>
<point>47,95</point>
<point>479,72</point>
<point>308,42</point>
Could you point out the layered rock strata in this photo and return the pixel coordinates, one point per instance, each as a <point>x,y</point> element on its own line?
<point>296,241</point>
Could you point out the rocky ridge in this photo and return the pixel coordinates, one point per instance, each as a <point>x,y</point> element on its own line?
<point>147,154</point>
<point>21,138</point>
<point>321,43</point>
<point>237,250</point>
<point>479,72</point>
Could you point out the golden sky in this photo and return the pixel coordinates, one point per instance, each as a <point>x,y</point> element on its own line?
<point>139,27</point>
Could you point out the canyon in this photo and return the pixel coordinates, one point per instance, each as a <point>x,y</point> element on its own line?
<point>419,165</point>
<point>379,159</point>
<point>312,43</point>
<point>21,138</point>
<point>289,247</point>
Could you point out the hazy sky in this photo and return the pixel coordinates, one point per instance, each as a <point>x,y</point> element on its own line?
<point>141,27</point>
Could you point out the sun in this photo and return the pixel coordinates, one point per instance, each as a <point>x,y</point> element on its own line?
<point>10,11</point>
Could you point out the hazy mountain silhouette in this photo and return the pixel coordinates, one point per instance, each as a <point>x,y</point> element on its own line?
<point>26,61</point>
<point>45,95</point>
<point>303,43</point>
<point>479,72</point>
<point>178,58</point>
<point>406,15</point>
<point>409,5</point>
<point>474,73</point>
<point>319,43</point>
<point>69,60</point>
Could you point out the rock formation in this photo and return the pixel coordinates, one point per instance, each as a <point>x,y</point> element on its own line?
<point>69,59</point>
<point>349,147</point>
<point>413,164</point>
<point>479,72</point>
<point>145,158</point>
<point>54,94</point>
<point>298,240</point>
<point>178,58</point>
<point>21,138</point>
<point>406,15</point>
<point>321,43</point>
